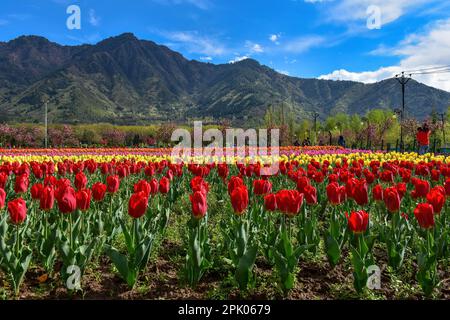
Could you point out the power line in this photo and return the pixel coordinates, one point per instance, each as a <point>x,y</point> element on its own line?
<point>427,69</point>
<point>433,72</point>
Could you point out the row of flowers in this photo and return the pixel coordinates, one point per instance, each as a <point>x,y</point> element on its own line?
<point>74,210</point>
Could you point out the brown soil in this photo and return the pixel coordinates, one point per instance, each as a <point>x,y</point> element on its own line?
<point>315,280</point>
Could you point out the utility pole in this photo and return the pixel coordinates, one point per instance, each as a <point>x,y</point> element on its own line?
<point>443,128</point>
<point>46,123</point>
<point>399,113</point>
<point>316,115</point>
<point>403,80</point>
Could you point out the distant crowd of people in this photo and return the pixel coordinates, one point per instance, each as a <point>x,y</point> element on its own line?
<point>307,142</point>
<point>422,137</point>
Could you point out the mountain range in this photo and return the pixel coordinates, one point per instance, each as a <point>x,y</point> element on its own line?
<point>125,80</point>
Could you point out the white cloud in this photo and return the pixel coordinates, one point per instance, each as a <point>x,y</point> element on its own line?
<point>366,76</point>
<point>254,47</point>
<point>239,58</point>
<point>283,72</point>
<point>194,42</point>
<point>206,58</point>
<point>417,51</point>
<point>275,38</point>
<point>257,48</point>
<point>356,10</point>
<point>303,44</point>
<point>93,18</point>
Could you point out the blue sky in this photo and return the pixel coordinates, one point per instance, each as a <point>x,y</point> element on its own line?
<point>362,40</point>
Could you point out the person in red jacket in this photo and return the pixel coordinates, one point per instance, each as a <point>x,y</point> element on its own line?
<point>423,138</point>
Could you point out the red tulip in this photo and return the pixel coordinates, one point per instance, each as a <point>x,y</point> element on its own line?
<point>377,193</point>
<point>50,181</point>
<point>318,177</point>
<point>422,187</point>
<point>47,198</point>
<point>67,202</point>
<point>447,187</point>
<point>199,204</point>
<point>358,221</point>
<point>164,185</point>
<point>289,201</point>
<point>154,186</point>
<point>406,175</point>
<point>332,178</point>
<point>144,186</point>
<point>36,191</point>
<point>83,199</point>
<point>392,199</point>
<point>435,175</point>
<point>302,182</point>
<point>169,175</point>
<point>437,199</point>
<point>370,177</point>
<point>2,198</point>
<point>122,171</point>
<point>104,168</point>
<point>239,199</point>
<point>198,184</point>
<point>149,170</point>
<point>113,183</point>
<point>137,206</point>
<point>310,194</point>
<point>17,210</point>
<point>387,176</point>
<point>98,191</point>
<point>37,171</point>
<point>80,181</point>
<point>21,185</point>
<point>360,192</point>
<point>234,183</point>
<point>261,187</point>
<point>270,202</point>
<point>222,170</point>
<point>3,180</point>
<point>401,188</point>
<point>424,214</point>
<point>336,194</point>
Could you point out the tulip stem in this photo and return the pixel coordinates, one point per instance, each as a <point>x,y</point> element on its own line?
<point>70,231</point>
<point>289,228</point>
<point>45,223</point>
<point>111,204</point>
<point>17,241</point>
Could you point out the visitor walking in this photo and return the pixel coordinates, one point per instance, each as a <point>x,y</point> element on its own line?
<point>423,138</point>
<point>341,141</point>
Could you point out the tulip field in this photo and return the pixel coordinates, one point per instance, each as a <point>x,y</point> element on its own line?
<point>332,223</point>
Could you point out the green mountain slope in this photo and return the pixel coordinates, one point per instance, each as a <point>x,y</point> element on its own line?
<point>124,80</point>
